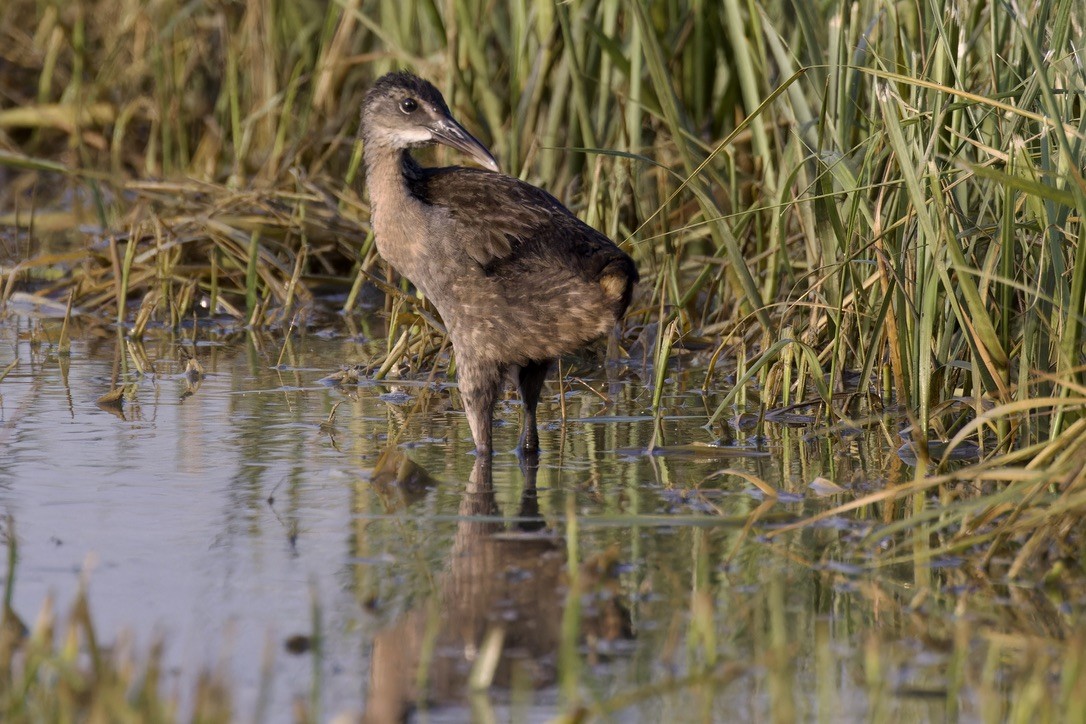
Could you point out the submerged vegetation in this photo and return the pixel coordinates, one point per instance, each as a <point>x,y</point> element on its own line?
<point>874,208</point>
<point>82,678</point>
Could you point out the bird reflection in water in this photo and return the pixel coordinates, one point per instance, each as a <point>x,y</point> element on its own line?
<point>495,620</point>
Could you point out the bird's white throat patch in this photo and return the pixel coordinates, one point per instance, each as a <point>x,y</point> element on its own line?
<point>399,137</point>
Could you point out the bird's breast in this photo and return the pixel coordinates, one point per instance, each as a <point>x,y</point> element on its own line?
<point>398,237</point>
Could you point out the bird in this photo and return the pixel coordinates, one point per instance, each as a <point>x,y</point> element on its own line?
<point>517,278</point>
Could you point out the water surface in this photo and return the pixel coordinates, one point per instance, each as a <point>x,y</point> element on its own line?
<point>233,515</point>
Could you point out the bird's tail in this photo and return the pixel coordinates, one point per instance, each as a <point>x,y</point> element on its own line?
<point>617,279</point>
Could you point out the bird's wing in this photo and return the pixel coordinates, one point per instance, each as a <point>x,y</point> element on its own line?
<point>504,224</point>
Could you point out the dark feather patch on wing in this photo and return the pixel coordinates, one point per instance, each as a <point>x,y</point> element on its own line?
<point>528,224</point>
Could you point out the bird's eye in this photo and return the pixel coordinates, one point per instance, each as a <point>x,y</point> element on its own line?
<point>409,105</point>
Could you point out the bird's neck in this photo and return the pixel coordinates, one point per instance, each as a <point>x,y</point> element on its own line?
<point>398,217</point>
<point>387,174</point>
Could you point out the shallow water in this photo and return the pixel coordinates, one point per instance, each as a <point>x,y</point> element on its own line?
<point>218,516</point>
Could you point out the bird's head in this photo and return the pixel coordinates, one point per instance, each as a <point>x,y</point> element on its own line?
<point>402,110</point>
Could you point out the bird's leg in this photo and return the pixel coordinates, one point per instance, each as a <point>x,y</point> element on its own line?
<point>530,379</point>
<point>479,387</point>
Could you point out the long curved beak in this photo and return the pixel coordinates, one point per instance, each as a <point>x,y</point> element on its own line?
<point>452,134</point>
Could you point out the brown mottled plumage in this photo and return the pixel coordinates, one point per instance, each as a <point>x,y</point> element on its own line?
<point>517,278</point>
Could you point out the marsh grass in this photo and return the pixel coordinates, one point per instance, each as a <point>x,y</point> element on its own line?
<point>869,206</point>
<point>889,191</point>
